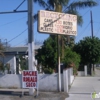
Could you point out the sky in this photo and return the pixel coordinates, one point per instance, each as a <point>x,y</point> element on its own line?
<point>13,27</point>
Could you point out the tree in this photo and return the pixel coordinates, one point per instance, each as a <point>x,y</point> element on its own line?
<point>1,55</point>
<point>23,62</point>
<point>47,55</point>
<point>67,6</point>
<point>71,59</point>
<point>1,49</point>
<point>89,49</point>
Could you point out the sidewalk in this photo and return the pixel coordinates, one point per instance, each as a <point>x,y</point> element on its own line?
<point>16,94</point>
<point>83,87</point>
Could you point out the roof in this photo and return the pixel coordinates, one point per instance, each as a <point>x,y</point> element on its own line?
<point>21,48</point>
<point>17,49</point>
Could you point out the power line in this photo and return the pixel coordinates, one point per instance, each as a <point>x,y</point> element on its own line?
<point>20,5</point>
<point>97,31</point>
<point>12,21</point>
<point>19,43</point>
<point>83,30</point>
<point>86,12</point>
<point>17,35</point>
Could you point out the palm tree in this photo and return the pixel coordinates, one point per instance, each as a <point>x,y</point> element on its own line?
<point>67,6</point>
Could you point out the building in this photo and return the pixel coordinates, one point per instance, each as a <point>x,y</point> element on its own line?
<point>11,58</point>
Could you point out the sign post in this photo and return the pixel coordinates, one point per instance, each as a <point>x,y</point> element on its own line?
<point>57,23</point>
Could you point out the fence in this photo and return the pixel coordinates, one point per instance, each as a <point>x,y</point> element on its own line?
<point>47,82</point>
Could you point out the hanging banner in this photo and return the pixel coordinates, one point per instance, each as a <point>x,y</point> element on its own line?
<point>57,23</point>
<point>29,79</point>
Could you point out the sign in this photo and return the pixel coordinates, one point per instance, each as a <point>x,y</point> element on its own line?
<point>57,23</point>
<point>29,79</point>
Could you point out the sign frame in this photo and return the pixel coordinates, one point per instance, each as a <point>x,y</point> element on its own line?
<point>57,23</point>
<point>34,77</point>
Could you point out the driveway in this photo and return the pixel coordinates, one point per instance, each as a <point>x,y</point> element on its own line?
<point>83,87</point>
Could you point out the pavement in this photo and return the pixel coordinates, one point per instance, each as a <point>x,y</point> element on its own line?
<point>81,89</point>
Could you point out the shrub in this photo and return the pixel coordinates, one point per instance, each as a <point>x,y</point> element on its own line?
<point>48,70</point>
<point>71,59</point>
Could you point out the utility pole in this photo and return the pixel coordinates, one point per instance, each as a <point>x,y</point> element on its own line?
<point>92,32</point>
<point>0,41</point>
<point>30,34</point>
<point>30,40</point>
<point>58,8</point>
<point>91,24</point>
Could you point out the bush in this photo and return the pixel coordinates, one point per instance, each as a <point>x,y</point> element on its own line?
<point>71,59</point>
<point>48,70</point>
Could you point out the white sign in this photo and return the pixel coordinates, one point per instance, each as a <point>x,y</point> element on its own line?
<point>57,23</point>
<point>29,79</point>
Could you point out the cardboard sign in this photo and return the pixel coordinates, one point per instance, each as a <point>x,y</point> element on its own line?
<point>57,23</point>
<point>29,79</point>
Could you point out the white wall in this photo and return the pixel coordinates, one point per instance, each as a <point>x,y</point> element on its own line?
<point>81,73</point>
<point>10,81</point>
<point>47,82</point>
<point>70,76</point>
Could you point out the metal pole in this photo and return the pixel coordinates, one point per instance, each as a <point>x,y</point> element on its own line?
<point>58,8</point>
<point>91,23</point>
<point>59,69</point>
<point>30,40</point>
<point>0,41</point>
<point>92,32</point>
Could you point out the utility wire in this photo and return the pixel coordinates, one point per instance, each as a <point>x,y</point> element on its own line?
<point>97,31</point>
<point>17,35</point>
<point>20,5</point>
<point>19,43</point>
<point>86,12</point>
<point>83,30</point>
<point>12,21</point>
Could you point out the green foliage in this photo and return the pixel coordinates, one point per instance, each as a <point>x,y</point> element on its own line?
<point>69,6</point>
<point>47,55</point>
<point>71,59</point>
<point>2,67</point>
<point>7,67</point>
<point>48,70</point>
<point>23,63</point>
<point>89,49</point>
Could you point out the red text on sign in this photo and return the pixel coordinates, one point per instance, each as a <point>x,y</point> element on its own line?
<point>29,79</point>
<point>30,84</point>
<point>29,73</point>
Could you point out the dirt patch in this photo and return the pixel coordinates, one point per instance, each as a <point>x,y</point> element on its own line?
<point>41,96</point>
